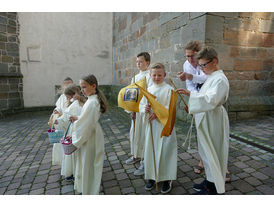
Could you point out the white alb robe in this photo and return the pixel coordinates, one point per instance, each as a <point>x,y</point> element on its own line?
<point>57,149</point>
<point>68,161</point>
<point>165,147</point>
<point>137,136</point>
<point>87,136</point>
<point>212,126</point>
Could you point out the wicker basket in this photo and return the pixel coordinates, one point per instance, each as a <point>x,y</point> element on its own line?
<point>68,147</point>
<point>66,142</point>
<point>55,135</point>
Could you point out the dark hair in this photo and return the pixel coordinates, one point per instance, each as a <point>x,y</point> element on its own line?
<point>91,79</point>
<point>193,46</point>
<point>145,55</point>
<point>208,53</point>
<point>71,90</point>
<point>68,79</point>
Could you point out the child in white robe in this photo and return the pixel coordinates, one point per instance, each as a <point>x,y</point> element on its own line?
<point>75,104</point>
<point>165,147</point>
<point>61,105</point>
<point>137,132</point>
<point>212,123</point>
<point>88,137</point>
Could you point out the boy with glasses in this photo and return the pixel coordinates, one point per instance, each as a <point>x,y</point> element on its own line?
<point>212,123</point>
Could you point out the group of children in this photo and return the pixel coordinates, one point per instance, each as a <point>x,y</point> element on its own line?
<point>83,110</point>
<point>157,155</point>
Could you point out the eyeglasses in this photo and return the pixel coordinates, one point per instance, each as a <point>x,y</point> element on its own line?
<point>204,65</point>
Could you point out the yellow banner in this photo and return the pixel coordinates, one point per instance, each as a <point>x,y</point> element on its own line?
<point>129,97</point>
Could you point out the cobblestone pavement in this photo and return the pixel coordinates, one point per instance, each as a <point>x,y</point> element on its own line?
<point>26,168</point>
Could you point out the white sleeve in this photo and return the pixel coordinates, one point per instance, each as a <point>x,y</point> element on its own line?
<point>209,100</point>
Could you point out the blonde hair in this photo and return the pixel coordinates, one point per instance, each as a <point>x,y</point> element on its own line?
<point>91,79</point>
<point>158,66</point>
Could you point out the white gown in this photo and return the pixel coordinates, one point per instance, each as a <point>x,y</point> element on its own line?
<point>57,149</point>
<point>137,138</point>
<point>165,147</point>
<point>88,137</point>
<point>212,126</point>
<point>68,161</point>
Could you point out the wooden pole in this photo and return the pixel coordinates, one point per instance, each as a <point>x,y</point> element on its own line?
<point>154,160</point>
<point>186,108</point>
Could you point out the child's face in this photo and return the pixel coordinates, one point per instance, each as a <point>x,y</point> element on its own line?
<point>87,89</point>
<point>141,63</point>
<point>76,96</point>
<point>66,83</point>
<point>69,97</point>
<point>157,75</point>
<point>207,66</point>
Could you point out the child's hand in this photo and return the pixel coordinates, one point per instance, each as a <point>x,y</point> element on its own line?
<point>148,108</point>
<point>133,115</point>
<point>183,91</point>
<point>55,111</point>
<point>181,75</point>
<point>73,118</point>
<point>152,117</point>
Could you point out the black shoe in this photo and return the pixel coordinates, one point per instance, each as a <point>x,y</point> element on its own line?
<point>150,184</point>
<point>70,178</point>
<point>201,186</point>
<point>209,189</point>
<point>166,187</point>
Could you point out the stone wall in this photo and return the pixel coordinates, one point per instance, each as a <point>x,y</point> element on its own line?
<point>11,87</point>
<point>244,42</point>
<point>163,35</point>
<point>246,50</point>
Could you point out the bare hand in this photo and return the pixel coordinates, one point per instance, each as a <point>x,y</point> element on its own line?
<point>56,122</point>
<point>133,115</point>
<point>55,111</point>
<point>183,91</point>
<point>152,117</point>
<point>181,75</point>
<point>73,118</point>
<point>148,108</point>
<point>189,76</point>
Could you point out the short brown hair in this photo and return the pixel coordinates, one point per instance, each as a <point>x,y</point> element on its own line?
<point>193,46</point>
<point>68,79</point>
<point>145,55</point>
<point>208,53</point>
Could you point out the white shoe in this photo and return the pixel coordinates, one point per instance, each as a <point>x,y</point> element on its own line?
<point>139,171</point>
<point>131,160</point>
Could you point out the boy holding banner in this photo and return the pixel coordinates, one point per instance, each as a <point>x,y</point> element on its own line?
<point>160,156</point>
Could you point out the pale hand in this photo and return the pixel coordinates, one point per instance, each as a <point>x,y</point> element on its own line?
<point>73,118</point>
<point>148,108</point>
<point>133,115</point>
<point>152,117</point>
<point>55,112</point>
<point>183,91</point>
<point>181,75</point>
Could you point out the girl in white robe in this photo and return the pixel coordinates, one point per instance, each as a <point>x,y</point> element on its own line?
<point>165,147</point>
<point>61,105</point>
<point>72,92</point>
<point>211,122</point>
<point>88,137</point>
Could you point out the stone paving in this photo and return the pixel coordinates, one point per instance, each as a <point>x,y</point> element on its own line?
<point>26,168</point>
